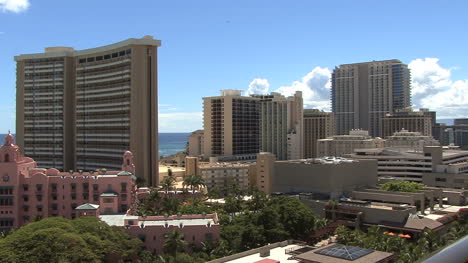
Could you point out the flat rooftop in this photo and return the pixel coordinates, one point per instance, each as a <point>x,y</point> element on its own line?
<point>277,254</point>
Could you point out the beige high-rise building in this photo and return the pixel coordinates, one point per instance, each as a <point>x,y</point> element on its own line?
<point>281,125</point>
<point>82,109</point>
<point>231,125</point>
<point>195,143</point>
<point>362,93</point>
<point>422,121</point>
<point>317,125</point>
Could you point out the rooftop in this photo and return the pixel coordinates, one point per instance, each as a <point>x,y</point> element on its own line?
<point>336,253</point>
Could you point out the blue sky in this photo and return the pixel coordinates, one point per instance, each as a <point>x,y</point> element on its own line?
<point>256,46</point>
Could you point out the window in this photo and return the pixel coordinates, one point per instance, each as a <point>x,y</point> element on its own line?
<point>95,187</point>
<point>25,187</point>
<point>25,208</point>
<point>25,198</point>
<point>441,179</point>
<point>85,186</point>
<point>73,186</point>
<point>54,206</point>
<point>39,187</point>
<point>108,200</point>
<point>39,208</point>
<point>95,198</point>
<point>39,197</point>
<point>54,196</point>
<point>124,187</point>
<point>85,196</point>
<point>124,197</point>
<point>123,208</point>
<point>73,196</point>
<point>54,187</point>
<point>73,205</point>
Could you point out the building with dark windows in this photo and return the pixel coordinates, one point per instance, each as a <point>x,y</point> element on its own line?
<point>422,121</point>
<point>362,93</point>
<point>231,125</point>
<point>317,125</point>
<point>82,109</point>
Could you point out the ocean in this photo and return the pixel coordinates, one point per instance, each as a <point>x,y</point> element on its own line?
<point>169,143</point>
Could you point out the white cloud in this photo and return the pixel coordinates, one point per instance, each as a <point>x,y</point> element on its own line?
<point>180,121</point>
<point>15,6</point>
<point>315,87</point>
<point>433,88</point>
<point>258,86</point>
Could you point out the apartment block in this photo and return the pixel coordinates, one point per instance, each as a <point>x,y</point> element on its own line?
<point>28,193</point>
<point>281,125</point>
<point>82,109</point>
<point>422,121</point>
<point>223,175</point>
<point>317,125</point>
<point>195,143</point>
<point>232,125</point>
<point>341,145</point>
<point>362,93</point>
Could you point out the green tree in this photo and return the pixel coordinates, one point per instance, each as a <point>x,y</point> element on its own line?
<point>402,186</point>
<point>56,239</point>
<point>194,182</point>
<point>174,243</point>
<point>167,183</point>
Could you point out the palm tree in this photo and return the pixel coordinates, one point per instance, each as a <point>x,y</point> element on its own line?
<point>194,182</point>
<point>167,183</point>
<point>174,242</point>
<point>170,205</point>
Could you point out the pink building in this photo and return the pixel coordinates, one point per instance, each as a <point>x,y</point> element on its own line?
<point>28,193</point>
<point>152,230</point>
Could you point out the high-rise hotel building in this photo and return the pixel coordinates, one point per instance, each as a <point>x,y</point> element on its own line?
<point>231,126</point>
<point>317,125</point>
<point>82,109</point>
<point>362,93</point>
<point>281,125</point>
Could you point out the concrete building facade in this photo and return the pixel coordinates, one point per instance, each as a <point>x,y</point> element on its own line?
<point>415,140</point>
<point>340,145</point>
<point>411,164</point>
<point>329,177</point>
<point>195,143</point>
<point>317,125</point>
<point>422,121</point>
<point>362,93</point>
<point>281,125</point>
<point>82,109</point>
<point>232,125</point>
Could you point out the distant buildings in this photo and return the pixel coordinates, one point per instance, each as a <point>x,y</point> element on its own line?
<point>456,134</point>
<point>340,145</point>
<point>362,93</point>
<point>317,125</point>
<point>414,140</point>
<point>403,163</point>
<point>422,121</point>
<point>231,125</point>
<point>195,143</point>
<point>81,110</point>
<point>281,125</point>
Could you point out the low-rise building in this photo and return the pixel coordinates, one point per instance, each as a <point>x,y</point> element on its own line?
<point>221,175</point>
<point>412,164</point>
<point>340,145</point>
<point>153,230</point>
<point>415,140</point>
<point>331,177</point>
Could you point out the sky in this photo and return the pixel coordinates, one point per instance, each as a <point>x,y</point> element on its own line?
<point>252,45</point>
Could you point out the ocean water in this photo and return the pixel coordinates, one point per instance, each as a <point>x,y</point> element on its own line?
<point>169,143</point>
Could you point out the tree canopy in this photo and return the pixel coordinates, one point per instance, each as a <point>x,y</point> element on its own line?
<point>402,186</point>
<point>85,239</point>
